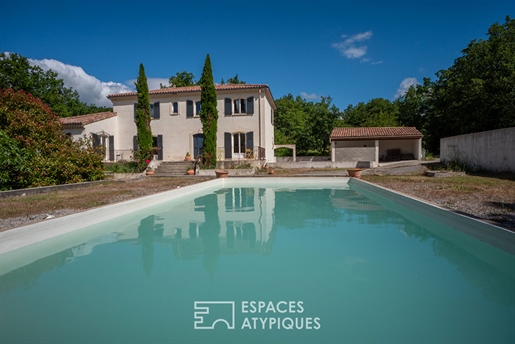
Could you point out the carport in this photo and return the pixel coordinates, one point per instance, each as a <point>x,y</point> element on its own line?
<point>372,145</point>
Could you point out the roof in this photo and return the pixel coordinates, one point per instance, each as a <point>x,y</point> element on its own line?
<point>81,121</point>
<point>360,133</point>
<point>225,88</point>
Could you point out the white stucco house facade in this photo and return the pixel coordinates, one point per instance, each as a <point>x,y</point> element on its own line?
<point>245,124</point>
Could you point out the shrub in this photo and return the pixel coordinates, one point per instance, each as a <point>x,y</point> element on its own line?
<point>39,153</point>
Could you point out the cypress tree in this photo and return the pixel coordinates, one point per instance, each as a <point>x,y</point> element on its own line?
<point>208,115</point>
<point>143,117</point>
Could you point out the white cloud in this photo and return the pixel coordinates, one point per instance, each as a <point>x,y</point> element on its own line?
<point>311,96</point>
<point>153,83</point>
<point>91,90</point>
<point>349,48</point>
<point>405,85</point>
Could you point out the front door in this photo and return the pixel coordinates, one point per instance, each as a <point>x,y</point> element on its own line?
<point>198,141</point>
<point>238,144</point>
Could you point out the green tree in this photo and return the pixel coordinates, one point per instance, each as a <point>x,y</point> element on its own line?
<point>377,112</point>
<point>182,79</point>
<point>17,73</point>
<point>477,92</point>
<point>305,124</point>
<point>235,80</point>
<point>145,140</point>
<point>34,150</point>
<point>208,114</point>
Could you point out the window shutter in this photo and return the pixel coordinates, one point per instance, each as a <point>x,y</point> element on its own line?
<point>111,148</point>
<point>156,114</point>
<point>189,108</point>
<point>160,146</point>
<point>227,145</point>
<point>250,140</point>
<point>135,143</point>
<point>96,140</point>
<point>250,105</point>
<point>228,107</point>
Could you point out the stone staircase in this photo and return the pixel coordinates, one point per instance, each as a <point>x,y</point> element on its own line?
<point>172,168</point>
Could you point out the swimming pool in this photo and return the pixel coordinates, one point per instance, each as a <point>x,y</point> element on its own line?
<point>294,260</point>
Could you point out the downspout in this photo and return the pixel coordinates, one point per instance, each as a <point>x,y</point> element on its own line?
<point>259,133</point>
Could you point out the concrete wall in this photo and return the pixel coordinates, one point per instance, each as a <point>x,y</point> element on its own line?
<point>493,150</point>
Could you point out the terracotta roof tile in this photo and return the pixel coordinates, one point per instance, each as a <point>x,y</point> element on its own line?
<point>226,88</point>
<point>356,133</point>
<point>186,89</point>
<point>86,119</point>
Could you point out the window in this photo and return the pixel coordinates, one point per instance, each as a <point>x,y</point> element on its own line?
<point>175,108</point>
<point>239,106</point>
<point>155,112</point>
<point>237,145</point>
<point>192,111</point>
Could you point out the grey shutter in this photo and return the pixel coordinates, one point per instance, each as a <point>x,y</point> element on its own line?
<point>96,140</point>
<point>250,105</point>
<point>189,108</point>
<point>111,148</point>
<point>156,114</point>
<point>135,143</point>
<point>227,145</point>
<point>250,140</point>
<point>160,146</point>
<point>228,106</point>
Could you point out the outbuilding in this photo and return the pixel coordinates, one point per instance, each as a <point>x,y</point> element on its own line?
<point>368,146</point>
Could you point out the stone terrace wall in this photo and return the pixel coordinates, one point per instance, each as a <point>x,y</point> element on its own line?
<point>492,150</point>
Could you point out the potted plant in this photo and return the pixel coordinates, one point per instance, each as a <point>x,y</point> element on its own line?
<point>354,172</point>
<point>221,173</point>
<point>187,157</point>
<point>190,171</point>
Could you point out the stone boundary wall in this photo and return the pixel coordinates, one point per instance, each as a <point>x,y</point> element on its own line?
<point>491,150</point>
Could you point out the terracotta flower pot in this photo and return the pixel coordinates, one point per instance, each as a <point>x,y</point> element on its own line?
<point>271,172</point>
<point>354,172</point>
<point>187,158</point>
<point>221,173</point>
<point>190,172</point>
<point>150,173</point>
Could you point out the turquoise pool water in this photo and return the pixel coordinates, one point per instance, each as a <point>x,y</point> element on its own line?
<point>261,264</point>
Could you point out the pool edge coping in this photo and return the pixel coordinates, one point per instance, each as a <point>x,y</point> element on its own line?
<point>492,234</point>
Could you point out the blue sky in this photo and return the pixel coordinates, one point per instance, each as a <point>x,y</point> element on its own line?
<point>352,51</point>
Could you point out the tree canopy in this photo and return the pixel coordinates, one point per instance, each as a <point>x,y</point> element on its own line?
<point>34,151</point>
<point>305,124</point>
<point>143,118</point>
<point>208,114</point>
<point>18,74</point>
<point>181,79</point>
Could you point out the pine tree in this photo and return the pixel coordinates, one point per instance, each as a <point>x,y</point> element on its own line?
<point>143,118</point>
<point>208,115</point>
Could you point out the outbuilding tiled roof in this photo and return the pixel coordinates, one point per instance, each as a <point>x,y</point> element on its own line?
<point>86,119</point>
<point>375,133</point>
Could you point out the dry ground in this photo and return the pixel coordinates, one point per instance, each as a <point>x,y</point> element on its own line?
<point>489,197</point>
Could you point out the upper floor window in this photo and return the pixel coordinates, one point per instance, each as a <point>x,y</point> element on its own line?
<point>192,111</point>
<point>239,106</point>
<point>175,108</point>
<point>154,110</point>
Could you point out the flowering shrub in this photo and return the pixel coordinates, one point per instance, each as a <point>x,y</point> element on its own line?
<point>40,154</point>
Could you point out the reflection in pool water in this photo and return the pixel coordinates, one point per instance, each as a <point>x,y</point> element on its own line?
<point>367,273</point>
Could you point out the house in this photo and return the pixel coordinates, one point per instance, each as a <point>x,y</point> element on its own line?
<point>245,124</point>
<point>368,146</point>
